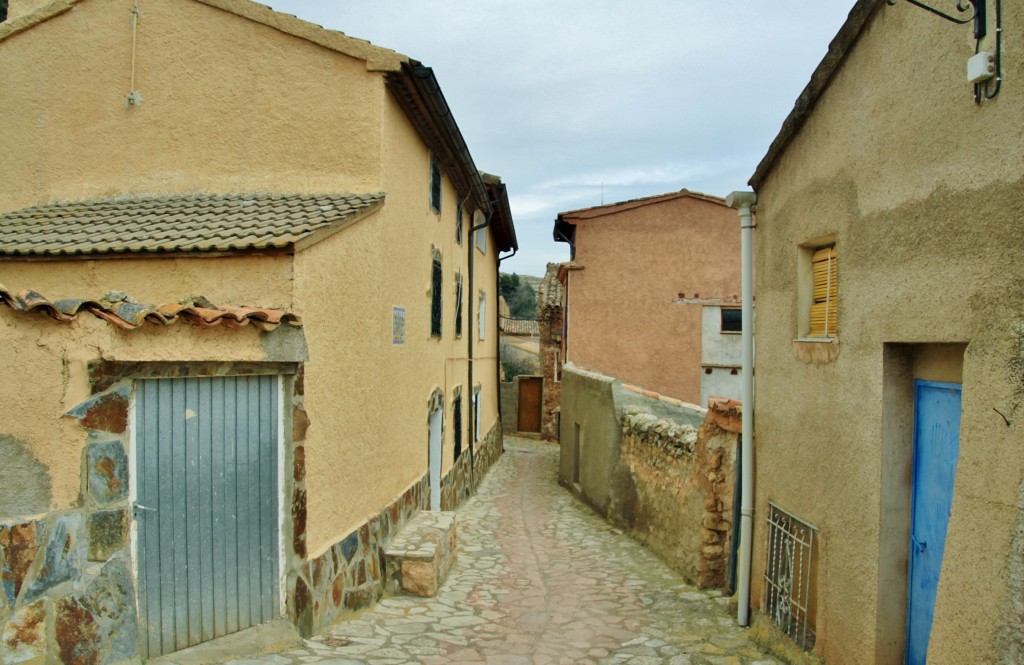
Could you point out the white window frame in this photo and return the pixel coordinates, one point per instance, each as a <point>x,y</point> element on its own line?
<point>481,239</point>
<point>476,413</point>
<point>481,322</point>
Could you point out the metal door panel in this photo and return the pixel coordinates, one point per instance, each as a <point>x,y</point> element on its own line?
<point>206,470</point>
<point>936,450</point>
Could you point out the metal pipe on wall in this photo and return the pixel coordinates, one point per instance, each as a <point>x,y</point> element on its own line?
<point>471,244</point>
<point>743,201</point>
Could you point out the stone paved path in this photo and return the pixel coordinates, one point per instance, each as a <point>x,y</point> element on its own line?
<point>540,579</point>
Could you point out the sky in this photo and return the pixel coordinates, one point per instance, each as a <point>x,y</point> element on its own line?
<point>578,103</point>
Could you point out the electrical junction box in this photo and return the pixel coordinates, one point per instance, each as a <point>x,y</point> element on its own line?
<point>981,67</point>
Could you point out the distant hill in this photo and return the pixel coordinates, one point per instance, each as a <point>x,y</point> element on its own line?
<point>522,300</point>
<point>534,282</point>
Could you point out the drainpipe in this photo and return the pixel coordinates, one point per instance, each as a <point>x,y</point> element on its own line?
<point>497,293</point>
<point>743,202</point>
<point>471,244</point>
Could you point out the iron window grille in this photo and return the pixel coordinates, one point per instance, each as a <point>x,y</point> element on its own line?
<point>789,575</point>
<point>435,186</point>
<point>435,298</point>
<point>458,225</point>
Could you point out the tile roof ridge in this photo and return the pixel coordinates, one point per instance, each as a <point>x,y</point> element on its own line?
<point>610,208</point>
<point>123,311</point>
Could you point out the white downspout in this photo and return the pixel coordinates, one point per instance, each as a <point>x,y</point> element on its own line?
<point>743,202</point>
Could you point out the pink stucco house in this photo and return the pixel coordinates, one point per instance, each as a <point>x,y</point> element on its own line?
<point>645,277</point>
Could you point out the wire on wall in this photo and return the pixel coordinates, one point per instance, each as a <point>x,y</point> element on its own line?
<point>988,88</point>
<point>984,90</point>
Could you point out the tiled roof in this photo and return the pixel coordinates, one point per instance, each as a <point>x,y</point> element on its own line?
<point>196,223</point>
<point>550,293</point>
<point>124,312</point>
<point>525,327</point>
<point>618,206</point>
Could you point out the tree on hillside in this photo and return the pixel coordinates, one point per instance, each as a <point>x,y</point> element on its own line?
<point>520,296</point>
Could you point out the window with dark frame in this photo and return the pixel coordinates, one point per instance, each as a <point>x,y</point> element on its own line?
<point>457,423</point>
<point>732,320</point>
<point>458,225</point>
<point>458,304</point>
<point>435,185</point>
<point>435,297</point>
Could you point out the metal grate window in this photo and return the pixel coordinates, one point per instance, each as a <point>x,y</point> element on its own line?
<point>435,298</point>
<point>789,575</point>
<point>457,423</point>
<point>435,185</point>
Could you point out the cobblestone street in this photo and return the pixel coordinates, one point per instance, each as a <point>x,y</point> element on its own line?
<point>540,579</point>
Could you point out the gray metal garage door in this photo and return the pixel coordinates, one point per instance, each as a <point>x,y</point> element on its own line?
<point>206,507</point>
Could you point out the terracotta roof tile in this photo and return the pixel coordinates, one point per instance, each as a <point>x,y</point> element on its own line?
<point>124,312</point>
<point>524,327</point>
<point>198,223</point>
<point>550,293</point>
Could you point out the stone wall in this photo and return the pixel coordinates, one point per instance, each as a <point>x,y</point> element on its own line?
<point>550,316</point>
<point>550,357</point>
<point>67,593</point>
<point>350,575</point>
<point>673,489</point>
<point>462,479</point>
<point>660,469</point>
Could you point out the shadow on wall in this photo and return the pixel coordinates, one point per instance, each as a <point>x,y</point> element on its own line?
<point>660,469</point>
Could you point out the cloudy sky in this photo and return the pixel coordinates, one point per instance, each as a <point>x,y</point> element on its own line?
<point>578,102</point>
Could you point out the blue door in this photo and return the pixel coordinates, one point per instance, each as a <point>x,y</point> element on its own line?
<point>936,448</point>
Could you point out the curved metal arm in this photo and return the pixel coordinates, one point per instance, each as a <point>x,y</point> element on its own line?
<point>976,7</point>
<point>961,6</point>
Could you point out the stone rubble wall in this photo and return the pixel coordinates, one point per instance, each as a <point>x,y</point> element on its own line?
<point>67,592</point>
<point>352,573</point>
<point>550,346</point>
<point>672,489</point>
<point>65,583</point>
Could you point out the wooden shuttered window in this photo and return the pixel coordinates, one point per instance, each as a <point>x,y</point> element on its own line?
<point>824,319</point>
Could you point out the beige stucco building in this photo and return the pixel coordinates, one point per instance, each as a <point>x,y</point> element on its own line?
<point>220,224</point>
<point>900,412</point>
<point>641,273</point>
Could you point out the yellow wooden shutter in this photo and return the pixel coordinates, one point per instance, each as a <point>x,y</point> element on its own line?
<point>826,291</point>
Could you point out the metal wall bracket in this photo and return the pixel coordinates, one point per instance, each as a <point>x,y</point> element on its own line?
<point>976,7</point>
<point>978,13</point>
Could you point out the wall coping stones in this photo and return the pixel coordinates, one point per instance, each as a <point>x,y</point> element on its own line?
<point>674,439</point>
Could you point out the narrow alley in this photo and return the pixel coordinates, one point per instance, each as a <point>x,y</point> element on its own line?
<point>540,579</point>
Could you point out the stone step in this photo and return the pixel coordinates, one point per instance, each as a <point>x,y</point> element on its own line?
<point>421,554</point>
